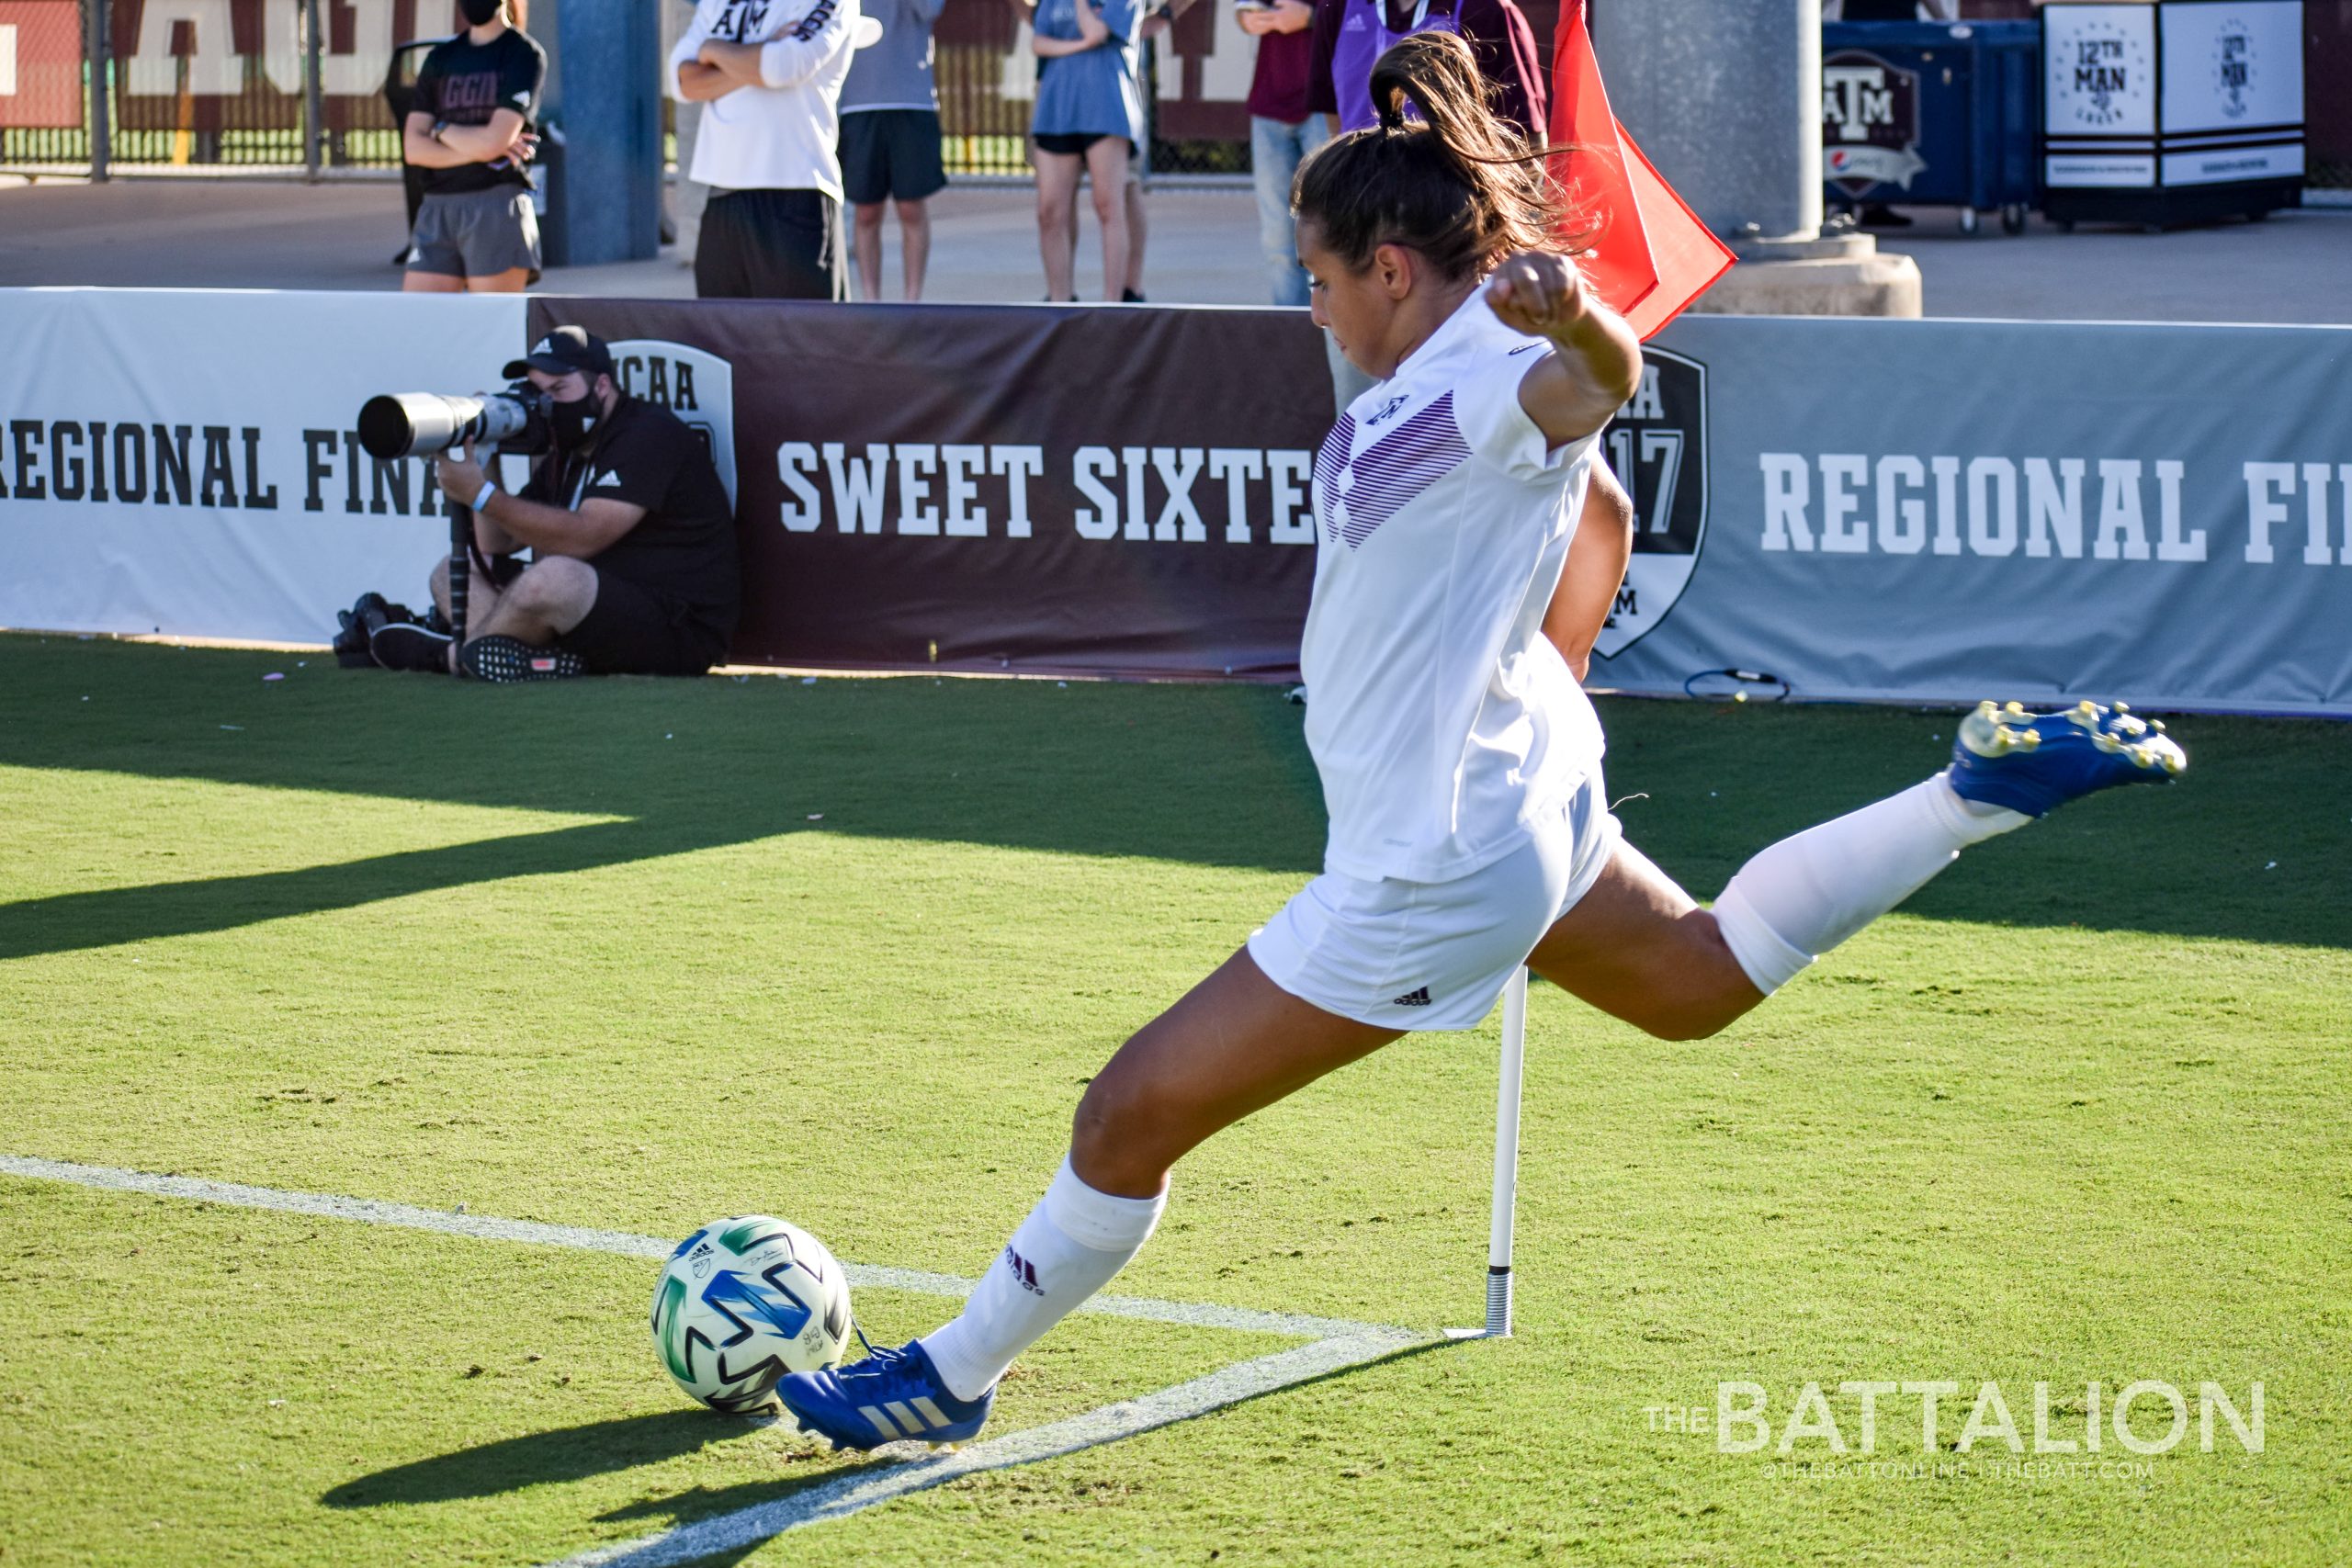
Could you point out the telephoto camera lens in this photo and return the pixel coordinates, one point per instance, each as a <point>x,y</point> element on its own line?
<point>407,424</point>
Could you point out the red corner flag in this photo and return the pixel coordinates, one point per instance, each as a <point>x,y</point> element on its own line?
<point>1651,256</point>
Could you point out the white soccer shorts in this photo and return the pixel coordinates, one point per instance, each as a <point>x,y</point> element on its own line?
<point>1436,955</point>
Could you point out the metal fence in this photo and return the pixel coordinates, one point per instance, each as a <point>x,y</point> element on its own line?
<point>300,86</point>
<point>294,85</point>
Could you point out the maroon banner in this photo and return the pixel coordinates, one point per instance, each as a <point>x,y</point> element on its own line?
<point>1121,491</point>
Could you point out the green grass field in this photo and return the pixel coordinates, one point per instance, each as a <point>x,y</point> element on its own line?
<point>632,955</point>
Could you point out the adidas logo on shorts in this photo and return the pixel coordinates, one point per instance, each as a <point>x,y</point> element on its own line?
<point>1419,999</point>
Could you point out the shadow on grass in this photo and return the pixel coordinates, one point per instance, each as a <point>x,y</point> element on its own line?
<point>2251,845</point>
<point>536,1459</point>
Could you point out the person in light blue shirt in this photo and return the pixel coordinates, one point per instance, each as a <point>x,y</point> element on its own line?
<point>1089,118</point>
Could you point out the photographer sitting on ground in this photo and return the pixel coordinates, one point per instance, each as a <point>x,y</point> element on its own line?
<point>633,569</point>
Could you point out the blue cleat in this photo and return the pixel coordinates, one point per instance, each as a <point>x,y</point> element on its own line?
<point>890,1395</point>
<point>2036,762</point>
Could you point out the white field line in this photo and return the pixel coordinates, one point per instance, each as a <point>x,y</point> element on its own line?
<point>484,1227</point>
<point>862,1488</point>
<point>1338,1344</point>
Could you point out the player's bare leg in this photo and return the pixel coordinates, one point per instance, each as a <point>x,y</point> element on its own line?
<point>1235,1043</point>
<point>1640,949</point>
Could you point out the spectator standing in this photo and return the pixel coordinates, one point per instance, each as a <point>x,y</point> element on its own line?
<point>770,73</point>
<point>1089,119</point>
<point>891,141</point>
<point>1283,129</point>
<point>1160,18</point>
<point>1350,35</point>
<point>469,131</point>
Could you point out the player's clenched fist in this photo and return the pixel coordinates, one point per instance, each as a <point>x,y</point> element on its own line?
<point>1538,292</point>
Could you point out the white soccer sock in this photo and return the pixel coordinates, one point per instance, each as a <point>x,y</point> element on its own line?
<point>1069,1248</point>
<point>1804,896</point>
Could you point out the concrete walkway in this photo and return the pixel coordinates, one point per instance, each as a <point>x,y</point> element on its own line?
<point>226,233</point>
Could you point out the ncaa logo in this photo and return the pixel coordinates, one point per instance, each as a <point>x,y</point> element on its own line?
<point>693,383</point>
<point>1657,447</point>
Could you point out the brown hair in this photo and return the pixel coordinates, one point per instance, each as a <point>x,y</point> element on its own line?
<point>1462,187</point>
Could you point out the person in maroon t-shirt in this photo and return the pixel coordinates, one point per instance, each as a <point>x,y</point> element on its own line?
<point>1349,35</point>
<point>1283,129</point>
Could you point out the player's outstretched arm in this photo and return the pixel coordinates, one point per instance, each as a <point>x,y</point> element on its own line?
<point>1599,365</point>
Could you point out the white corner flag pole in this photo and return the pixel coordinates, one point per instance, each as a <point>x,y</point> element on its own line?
<point>1506,1204</point>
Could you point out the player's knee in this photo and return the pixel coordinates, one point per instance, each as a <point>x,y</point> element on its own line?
<point>1111,1131</point>
<point>1683,1020</point>
<point>1699,991</point>
<point>437,583</point>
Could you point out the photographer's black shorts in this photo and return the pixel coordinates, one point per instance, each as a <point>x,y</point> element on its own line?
<point>634,630</point>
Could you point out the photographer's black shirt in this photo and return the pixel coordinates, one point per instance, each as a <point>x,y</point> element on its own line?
<point>464,83</point>
<point>683,548</point>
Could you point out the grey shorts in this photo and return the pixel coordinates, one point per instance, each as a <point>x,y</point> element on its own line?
<point>476,233</point>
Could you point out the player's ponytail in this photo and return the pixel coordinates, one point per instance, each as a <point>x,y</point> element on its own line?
<point>1460,185</point>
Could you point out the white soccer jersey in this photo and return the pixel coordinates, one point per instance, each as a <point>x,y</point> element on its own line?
<point>1439,717</point>
<point>783,136</point>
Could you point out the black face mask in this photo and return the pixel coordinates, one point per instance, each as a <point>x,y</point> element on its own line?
<point>477,13</point>
<point>571,422</point>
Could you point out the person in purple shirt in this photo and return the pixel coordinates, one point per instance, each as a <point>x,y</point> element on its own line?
<point>1349,35</point>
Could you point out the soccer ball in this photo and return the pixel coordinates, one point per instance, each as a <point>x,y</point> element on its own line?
<point>743,1302</point>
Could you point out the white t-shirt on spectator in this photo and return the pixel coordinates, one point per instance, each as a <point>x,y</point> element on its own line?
<point>1440,719</point>
<point>783,136</point>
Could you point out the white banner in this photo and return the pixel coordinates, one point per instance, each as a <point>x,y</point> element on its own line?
<point>2098,70</point>
<point>183,461</point>
<point>2230,64</point>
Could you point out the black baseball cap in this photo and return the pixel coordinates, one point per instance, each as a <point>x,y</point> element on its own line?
<point>562,352</point>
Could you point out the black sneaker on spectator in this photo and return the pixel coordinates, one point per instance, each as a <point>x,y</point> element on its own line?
<point>503,660</point>
<point>404,645</point>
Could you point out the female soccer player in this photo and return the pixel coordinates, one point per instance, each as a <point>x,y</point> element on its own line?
<point>1460,762</point>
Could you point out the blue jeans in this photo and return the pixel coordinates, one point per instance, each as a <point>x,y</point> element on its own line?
<point>1276,148</point>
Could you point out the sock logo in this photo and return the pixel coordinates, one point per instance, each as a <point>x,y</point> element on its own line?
<point>1419,999</point>
<point>1023,1272</point>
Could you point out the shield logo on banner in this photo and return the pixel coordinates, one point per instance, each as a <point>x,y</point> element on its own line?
<point>1870,123</point>
<point>1657,447</point>
<point>693,383</point>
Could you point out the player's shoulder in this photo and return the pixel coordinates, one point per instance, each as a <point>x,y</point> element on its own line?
<point>518,43</point>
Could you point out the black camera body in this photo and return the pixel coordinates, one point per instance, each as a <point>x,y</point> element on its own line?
<point>408,424</point>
